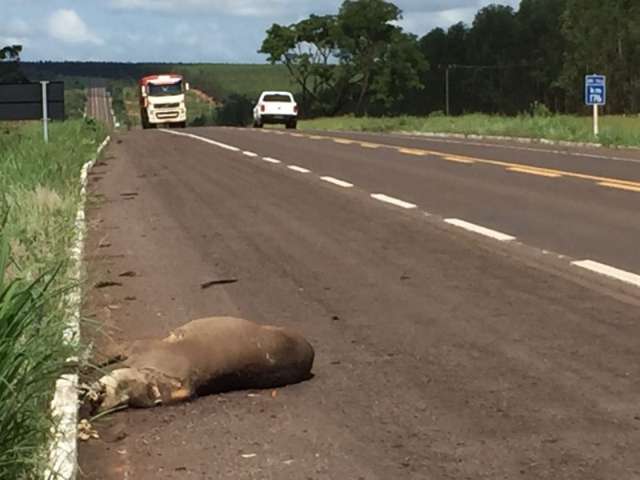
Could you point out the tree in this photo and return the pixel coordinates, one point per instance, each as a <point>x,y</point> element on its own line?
<point>365,30</point>
<point>10,52</point>
<point>603,37</point>
<point>306,49</point>
<point>10,64</point>
<point>398,70</point>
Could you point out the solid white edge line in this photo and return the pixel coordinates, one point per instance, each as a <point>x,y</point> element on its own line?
<point>296,168</point>
<point>393,201</point>
<point>271,160</point>
<point>472,227</point>
<point>606,270</point>
<point>202,139</point>
<point>63,456</point>
<point>337,181</point>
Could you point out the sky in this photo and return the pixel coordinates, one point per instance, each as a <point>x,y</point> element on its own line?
<point>226,31</point>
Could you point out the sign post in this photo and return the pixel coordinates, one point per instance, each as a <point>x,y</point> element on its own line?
<point>32,101</point>
<point>595,95</point>
<point>45,111</point>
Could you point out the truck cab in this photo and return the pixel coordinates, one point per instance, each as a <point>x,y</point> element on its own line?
<point>162,101</point>
<point>276,107</point>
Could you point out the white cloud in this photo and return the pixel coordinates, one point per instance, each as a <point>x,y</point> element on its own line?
<point>67,26</point>
<point>253,8</point>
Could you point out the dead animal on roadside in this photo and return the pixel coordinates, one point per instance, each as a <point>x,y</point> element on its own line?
<point>205,356</point>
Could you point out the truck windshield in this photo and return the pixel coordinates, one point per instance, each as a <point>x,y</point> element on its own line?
<point>164,90</point>
<point>277,98</point>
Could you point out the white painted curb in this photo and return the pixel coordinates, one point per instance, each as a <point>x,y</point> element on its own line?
<point>523,140</point>
<point>63,455</point>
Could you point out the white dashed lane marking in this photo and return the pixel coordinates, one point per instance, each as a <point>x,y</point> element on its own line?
<point>591,265</point>
<point>612,272</point>
<point>393,201</point>
<point>271,160</point>
<point>487,232</point>
<point>298,169</point>
<point>337,181</point>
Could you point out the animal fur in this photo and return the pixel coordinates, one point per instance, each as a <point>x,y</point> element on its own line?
<point>205,356</point>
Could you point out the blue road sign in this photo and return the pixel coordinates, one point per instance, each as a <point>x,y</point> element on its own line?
<point>595,90</point>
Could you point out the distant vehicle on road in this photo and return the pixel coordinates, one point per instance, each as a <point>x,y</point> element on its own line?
<point>162,101</point>
<point>276,107</point>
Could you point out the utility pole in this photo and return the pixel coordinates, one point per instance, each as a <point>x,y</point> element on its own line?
<point>45,111</point>
<point>446,90</point>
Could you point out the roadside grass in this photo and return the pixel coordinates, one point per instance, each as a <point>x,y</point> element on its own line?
<point>199,111</point>
<point>614,130</point>
<point>75,100</point>
<point>219,80</point>
<point>40,191</point>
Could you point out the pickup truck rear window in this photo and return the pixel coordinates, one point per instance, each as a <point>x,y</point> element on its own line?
<point>277,98</point>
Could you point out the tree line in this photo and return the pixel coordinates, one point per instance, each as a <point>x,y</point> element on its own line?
<point>530,59</point>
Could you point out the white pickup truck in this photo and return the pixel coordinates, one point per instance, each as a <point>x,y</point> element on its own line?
<point>276,107</point>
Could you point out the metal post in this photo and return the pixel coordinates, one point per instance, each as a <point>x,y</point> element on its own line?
<point>446,89</point>
<point>45,111</point>
<point>596,127</point>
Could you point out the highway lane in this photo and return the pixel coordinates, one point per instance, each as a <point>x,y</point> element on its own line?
<point>99,105</point>
<point>439,354</point>
<point>567,202</point>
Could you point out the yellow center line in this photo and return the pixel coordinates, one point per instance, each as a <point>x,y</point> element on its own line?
<point>550,171</point>
<point>344,141</point>
<point>453,158</point>
<point>316,137</point>
<point>369,145</point>
<point>534,171</point>
<point>412,151</point>
<point>620,186</point>
<point>298,135</point>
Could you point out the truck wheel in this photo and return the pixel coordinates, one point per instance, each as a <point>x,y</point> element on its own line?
<point>292,125</point>
<point>257,124</point>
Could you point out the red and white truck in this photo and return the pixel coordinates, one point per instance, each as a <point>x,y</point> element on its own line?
<point>162,101</point>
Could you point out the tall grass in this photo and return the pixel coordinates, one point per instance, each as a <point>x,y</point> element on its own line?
<point>40,190</point>
<point>615,130</point>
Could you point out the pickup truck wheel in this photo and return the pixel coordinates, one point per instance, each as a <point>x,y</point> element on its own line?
<point>257,125</point>
<point>292,125</point>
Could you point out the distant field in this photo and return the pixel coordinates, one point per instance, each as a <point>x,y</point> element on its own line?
<point>615,130</point>
<point>218,80</point>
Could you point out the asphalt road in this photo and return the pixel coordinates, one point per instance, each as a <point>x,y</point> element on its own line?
<point>99,105</point>
<point>441,352</point>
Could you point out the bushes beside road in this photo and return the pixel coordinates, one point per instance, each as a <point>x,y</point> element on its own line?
<point>615,130</point>
<point>39,194</point>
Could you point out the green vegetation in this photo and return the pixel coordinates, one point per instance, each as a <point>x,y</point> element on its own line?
<point>216,80</point>
<point>40,191</point>
<point>615,130</point>
<point>75,101</point>
<point>222,80</point>
<point>359,61</point>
